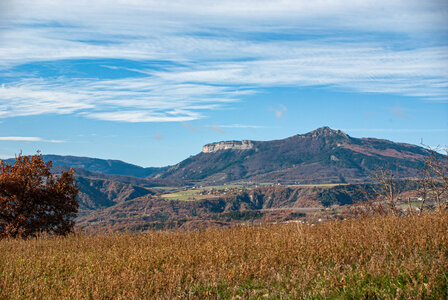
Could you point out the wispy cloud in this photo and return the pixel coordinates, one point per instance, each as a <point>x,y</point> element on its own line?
<point>354,66</point>
<point>28,139</point>
<point>20,138</point>
<point>333,44</point>
<point>126,100</point>
<point>181,93</point>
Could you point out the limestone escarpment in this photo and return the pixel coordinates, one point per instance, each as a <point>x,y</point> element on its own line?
<point>231,145</point>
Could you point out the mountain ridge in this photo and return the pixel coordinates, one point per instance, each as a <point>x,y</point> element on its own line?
<point>98,165</point>
<point>323,155</point>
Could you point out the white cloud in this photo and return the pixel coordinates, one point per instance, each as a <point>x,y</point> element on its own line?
<point>114,14</point>
<point>184,93</point>
<point>421,73</point>
<point>20,138</point>
<point>28,139</point>
<point>126,100</point>
<point>217,52</point>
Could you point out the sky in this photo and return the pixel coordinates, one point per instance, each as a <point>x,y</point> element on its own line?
<point>150,82</point>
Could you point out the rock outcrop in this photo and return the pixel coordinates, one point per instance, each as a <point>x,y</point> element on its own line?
<point>231,145</point>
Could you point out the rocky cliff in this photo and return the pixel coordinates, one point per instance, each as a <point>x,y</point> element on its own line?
<point>231,145</point>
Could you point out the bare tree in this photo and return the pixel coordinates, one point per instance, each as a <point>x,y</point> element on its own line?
<point>379,197</point>
<point>433,181</point>
<point>386,191</point>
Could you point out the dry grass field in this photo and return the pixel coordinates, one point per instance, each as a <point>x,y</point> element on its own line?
<point>383,257</point>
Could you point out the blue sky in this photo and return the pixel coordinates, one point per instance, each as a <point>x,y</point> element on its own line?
<point>150,82</point>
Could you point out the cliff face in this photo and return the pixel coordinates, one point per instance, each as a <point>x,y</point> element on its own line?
<point>232,145</point>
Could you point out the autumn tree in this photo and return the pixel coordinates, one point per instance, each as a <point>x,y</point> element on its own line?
<point>34,200</point>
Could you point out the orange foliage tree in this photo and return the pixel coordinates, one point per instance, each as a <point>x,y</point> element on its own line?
<point>33,200</point>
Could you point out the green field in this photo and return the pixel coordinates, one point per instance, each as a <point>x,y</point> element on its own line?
<point>188,195</point>
<point>163,188</point>
<point>318,185</point>
<point>194,194</point>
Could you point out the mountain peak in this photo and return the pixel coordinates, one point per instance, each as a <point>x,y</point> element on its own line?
<point>326,131</point>
<point>323,155</point>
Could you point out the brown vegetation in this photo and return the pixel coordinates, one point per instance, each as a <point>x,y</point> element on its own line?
<point>33,200</point>
<point>383,257</point>
<point>229,206</point>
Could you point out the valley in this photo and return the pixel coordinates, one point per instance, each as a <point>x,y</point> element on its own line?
<point>304,178</point>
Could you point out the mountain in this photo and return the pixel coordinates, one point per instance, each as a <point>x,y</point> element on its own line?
<point>120,196</point>
<point>320,156</point>
<point>103,166</point>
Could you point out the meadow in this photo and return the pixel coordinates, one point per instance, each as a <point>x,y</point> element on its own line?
<point>383,257</point>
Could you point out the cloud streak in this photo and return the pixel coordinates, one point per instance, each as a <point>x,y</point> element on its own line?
<point>331,44</point>
<point>28,139</point>
<point>125,100</point>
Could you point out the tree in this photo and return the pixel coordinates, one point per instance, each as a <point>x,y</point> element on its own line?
<point>434,180</point>
<point>33,200</point>
<point>387,191</point>
<point>381,197</point>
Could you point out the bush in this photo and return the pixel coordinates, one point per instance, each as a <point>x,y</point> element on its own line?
<point>33,200</point>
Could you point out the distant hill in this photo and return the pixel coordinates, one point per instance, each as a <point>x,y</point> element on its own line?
<point>103,166</point>
<point>320,156</point>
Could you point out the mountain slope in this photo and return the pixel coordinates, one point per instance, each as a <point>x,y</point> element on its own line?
<point>321,156</point>
<point>97,194</point>
<point>104,166</point>
<point>97,165</point>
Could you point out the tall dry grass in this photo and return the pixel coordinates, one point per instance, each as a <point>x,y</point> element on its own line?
<point>383,257</point>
